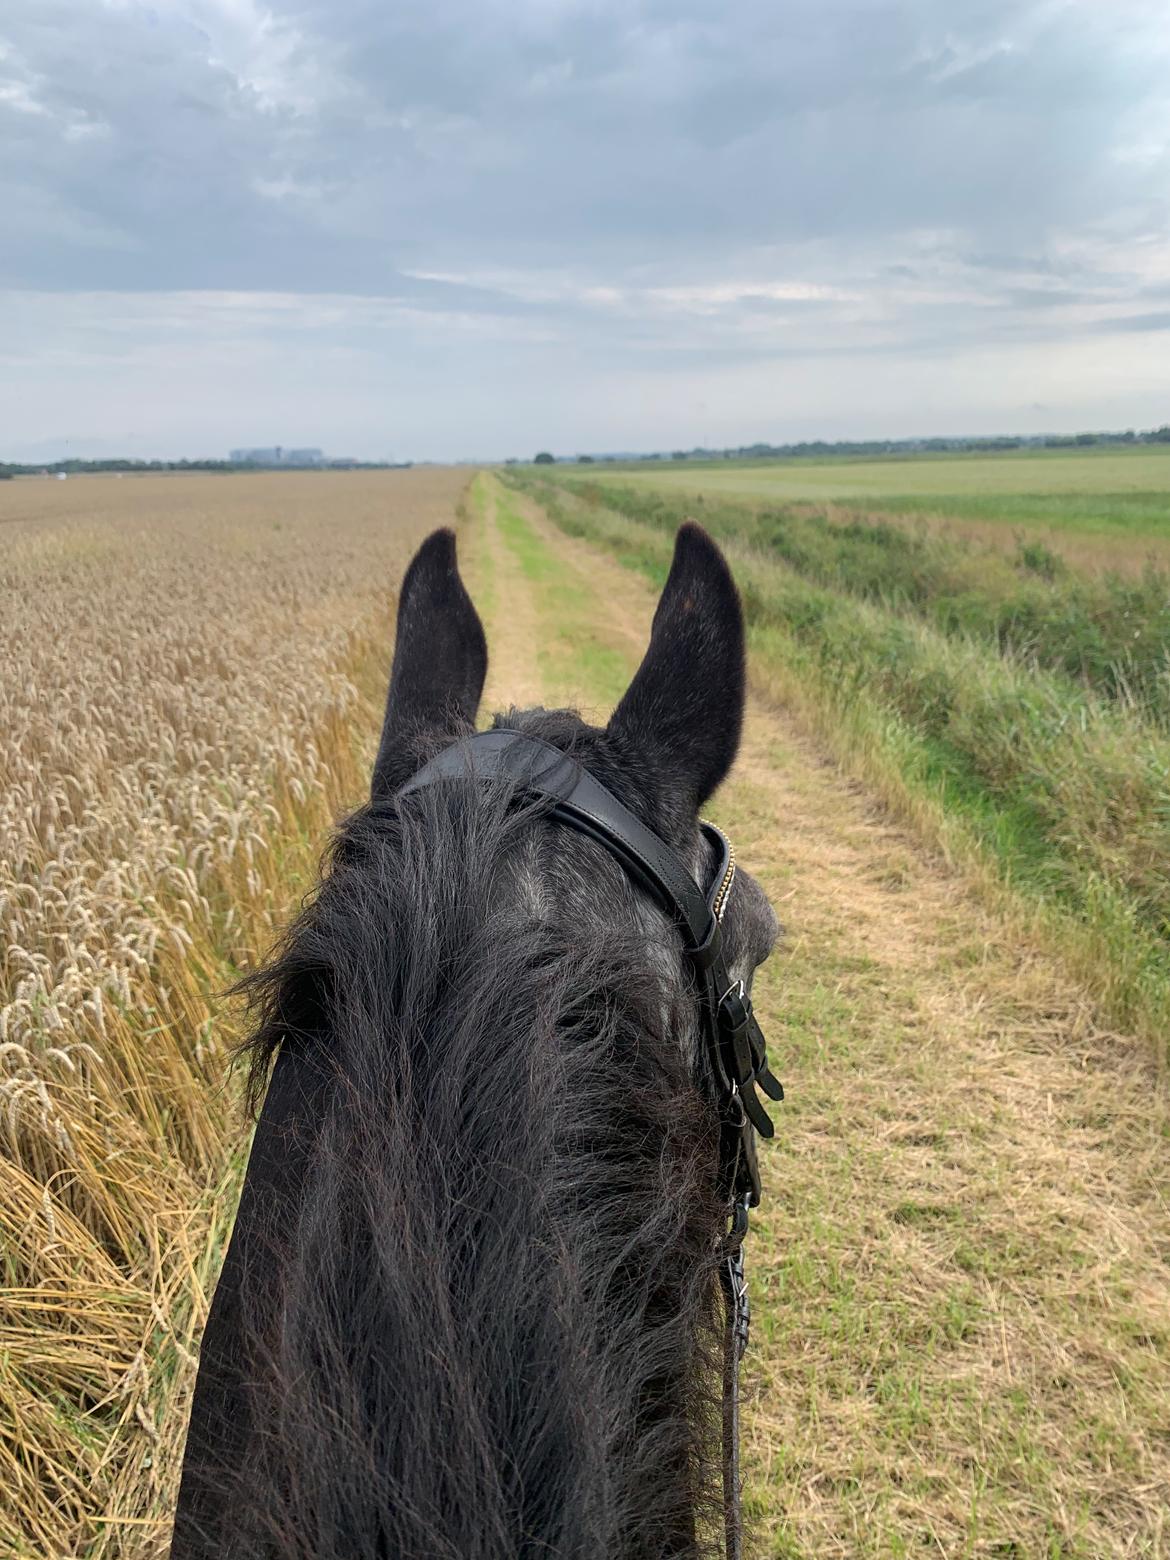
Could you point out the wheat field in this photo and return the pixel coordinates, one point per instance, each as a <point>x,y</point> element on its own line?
<point>190,670</point>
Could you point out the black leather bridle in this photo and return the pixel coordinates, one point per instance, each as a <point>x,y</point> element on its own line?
<point>734,1043</point>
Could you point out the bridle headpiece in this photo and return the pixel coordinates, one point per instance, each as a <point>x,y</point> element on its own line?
<point>735,1042</point>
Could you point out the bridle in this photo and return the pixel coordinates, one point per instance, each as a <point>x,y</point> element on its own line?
<point>734,1043</point>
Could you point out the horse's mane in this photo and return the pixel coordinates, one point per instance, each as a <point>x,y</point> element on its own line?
<point>496,1332</point>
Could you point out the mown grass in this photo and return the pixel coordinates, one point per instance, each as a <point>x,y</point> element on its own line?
<point>1109,632</point>
<point>1118,515</point>
<point>1059,791</point>
<point>573,653</point>
<point>1111,491</point>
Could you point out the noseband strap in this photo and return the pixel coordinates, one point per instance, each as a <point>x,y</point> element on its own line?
<point>735,1048</point>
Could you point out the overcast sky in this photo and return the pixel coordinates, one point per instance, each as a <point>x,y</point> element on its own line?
<point>482,227</point>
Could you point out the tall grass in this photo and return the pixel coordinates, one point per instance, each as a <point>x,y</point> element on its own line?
<point>180,723</point>
<point>1111,634</point>
<point>1057,787</point>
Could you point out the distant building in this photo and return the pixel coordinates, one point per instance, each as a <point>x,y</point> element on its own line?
<point>277,455</point>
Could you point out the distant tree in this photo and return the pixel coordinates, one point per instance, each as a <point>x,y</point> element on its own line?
<point>544,459</point>
<point>1159,435</point>
<point>584,460</point>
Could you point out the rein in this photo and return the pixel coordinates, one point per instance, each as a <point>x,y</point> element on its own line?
<point>735,1048</point>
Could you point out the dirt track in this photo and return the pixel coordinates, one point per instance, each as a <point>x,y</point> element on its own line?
<point>962,1275</point>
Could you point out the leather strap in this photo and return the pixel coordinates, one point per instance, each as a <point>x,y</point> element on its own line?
<point>735,1043</point>
<point>535,766</point>
<point>736,1326</point>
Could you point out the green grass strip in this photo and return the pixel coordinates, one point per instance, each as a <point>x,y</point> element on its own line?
<point>1062,795</point>
<point>1110,634</point>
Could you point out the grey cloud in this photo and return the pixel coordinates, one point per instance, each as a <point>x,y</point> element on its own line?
<point>627,128</point>
<point>1135,322</point>
<point>579,173</point>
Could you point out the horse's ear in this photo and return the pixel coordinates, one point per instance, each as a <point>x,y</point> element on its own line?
<point>440,661</point>
<point>685,704</point>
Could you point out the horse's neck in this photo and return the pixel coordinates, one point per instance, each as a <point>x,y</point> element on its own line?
<point>482,1341</point>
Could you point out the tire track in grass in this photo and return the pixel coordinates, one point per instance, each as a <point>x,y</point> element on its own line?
<point>962,1269</point>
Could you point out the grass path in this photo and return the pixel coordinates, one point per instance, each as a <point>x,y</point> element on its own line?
<point>962,1274</point>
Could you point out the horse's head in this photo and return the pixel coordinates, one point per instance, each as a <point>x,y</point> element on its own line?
<point>668,745</point>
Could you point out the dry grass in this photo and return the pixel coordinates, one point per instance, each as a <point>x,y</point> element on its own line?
<point>1088,552</point>
<point>180,721</point>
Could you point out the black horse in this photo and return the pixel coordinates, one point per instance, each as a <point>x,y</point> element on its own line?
<point>471,1305</point>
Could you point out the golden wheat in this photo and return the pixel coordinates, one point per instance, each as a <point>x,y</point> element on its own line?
<point>181,711</point>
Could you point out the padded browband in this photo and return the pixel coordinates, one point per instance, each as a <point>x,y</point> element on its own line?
<point>579,800</point>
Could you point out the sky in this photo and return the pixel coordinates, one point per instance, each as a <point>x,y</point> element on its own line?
<point>478,228</point>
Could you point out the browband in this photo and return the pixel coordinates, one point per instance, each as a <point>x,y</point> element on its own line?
<point>735,1040</point>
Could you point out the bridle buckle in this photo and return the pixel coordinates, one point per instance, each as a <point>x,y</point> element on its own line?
<point>735,1009</point>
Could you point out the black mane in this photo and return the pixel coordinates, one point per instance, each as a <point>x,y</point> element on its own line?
<point>498,1330</point>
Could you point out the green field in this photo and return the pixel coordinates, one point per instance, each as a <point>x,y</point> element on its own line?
<point>1094,491</point>
<point>1016,704</point>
